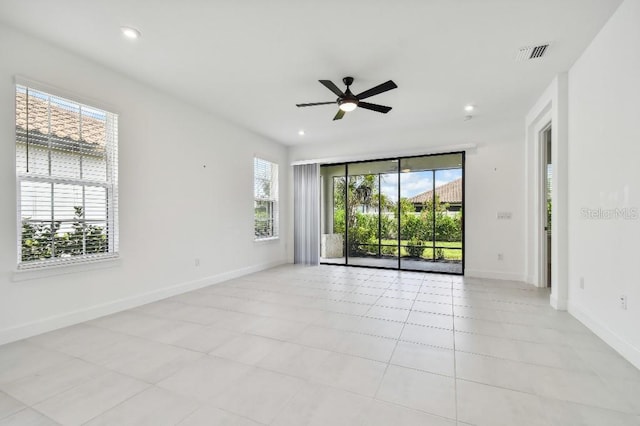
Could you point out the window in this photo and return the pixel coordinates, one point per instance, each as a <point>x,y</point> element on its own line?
<point>67,172</point>
<point>265,193</point>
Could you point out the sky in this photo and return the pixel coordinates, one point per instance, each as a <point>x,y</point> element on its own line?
<point>414,183</point>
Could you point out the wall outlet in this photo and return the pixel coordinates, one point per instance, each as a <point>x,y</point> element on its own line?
<point>500,256</point>
<point>582,283</point>
<point>197,262</point>
<point>623,302</point>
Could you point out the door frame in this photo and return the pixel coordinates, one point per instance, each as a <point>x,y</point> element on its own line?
<point>546,258</point>
<point>399,159</point>
<point>551,107</point>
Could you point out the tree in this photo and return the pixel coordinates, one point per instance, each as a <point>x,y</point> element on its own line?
<point>447,227</point>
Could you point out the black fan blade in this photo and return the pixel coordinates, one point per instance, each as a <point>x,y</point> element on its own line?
<point>339,115</point>
<point>374,107</point>
<point>329,85</point>
<point>315,103</point>
<point>381,88</point>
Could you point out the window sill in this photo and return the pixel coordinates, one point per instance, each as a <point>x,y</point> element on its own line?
<point>47,271</point>
<point>261,240</point>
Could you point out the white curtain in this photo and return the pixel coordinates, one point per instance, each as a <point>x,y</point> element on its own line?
<point>306,214</point>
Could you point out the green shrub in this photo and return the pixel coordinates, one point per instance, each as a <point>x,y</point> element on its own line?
<point>415,248</point>
<point>389,250</point>
<point>363,232</point>
<point>413,227</point>
<point>388,227</point>
<point>42,241</point>
<point>448,228</point>
<point>338,221</point>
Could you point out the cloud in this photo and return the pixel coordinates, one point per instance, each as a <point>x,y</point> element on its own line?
<point>414,183</point>
<point>448,175</point>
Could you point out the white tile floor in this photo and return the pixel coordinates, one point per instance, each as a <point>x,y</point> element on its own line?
<point>325,345</point>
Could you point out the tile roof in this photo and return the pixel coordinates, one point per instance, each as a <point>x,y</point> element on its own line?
<point>65,125</point>
<point>450,193</point>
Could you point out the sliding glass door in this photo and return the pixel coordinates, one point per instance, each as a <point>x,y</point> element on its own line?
<point>402,213</point>
<point>431,220</point>
<point>372,232</point>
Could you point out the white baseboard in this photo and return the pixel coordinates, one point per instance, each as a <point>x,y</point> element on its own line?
<point>624,348</point>
<point>55,322</point>
<point>558,304</point>
<point>495,275</point>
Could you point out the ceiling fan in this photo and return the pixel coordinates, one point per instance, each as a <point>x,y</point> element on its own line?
<point>347,101</point>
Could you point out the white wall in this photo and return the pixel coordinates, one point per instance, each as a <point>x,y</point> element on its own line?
<point>494,181</point>
<point>604,153</point>
<point>172,208</point>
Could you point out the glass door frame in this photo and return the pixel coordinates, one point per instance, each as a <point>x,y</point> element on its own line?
<point>399,207</point>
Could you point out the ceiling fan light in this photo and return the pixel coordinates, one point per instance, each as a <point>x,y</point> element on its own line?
<point>348,106</point>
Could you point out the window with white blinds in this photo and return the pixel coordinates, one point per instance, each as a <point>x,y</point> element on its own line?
<point>265,193</point>
<point>67,171</point>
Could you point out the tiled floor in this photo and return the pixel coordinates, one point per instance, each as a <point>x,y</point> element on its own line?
<point>325,346</point>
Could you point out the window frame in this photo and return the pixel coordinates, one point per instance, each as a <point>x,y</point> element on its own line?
<point>109,184</point>
<point>273,201</point>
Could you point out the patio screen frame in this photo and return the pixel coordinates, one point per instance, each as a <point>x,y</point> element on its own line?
<point>399,245</point>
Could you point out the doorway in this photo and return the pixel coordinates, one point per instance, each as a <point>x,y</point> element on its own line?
<point>547,177</point>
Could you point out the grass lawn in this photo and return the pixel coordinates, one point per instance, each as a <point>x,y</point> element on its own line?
<point>451,249</point>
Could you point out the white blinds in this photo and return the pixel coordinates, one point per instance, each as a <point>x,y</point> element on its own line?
<point>67,169</point>
<point>265,193</point>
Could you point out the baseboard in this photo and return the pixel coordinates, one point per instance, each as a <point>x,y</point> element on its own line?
<point>34,328</point>
<point>557,304</point>
<point>624,348</point>
<point>495,275</point>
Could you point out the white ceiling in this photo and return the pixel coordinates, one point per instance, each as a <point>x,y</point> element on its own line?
<point>251,61</point>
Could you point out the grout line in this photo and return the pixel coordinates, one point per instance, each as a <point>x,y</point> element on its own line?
<point>394,350</point>
<point>522,324</point>
<point>394,283</point>
<point>347,330</point>
<point>30,407</point>
<point>121,402</point>
<point>455,367</point>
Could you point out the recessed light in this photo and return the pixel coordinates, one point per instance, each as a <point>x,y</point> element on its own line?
<point>131,33</point>
<point>301,132</point>
<point>469,108</point>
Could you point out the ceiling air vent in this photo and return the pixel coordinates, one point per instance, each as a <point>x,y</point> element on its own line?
<point>531,52</point>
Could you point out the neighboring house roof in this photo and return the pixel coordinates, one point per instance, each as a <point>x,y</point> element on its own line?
<point>450,193</point>
<point>65,125</point>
